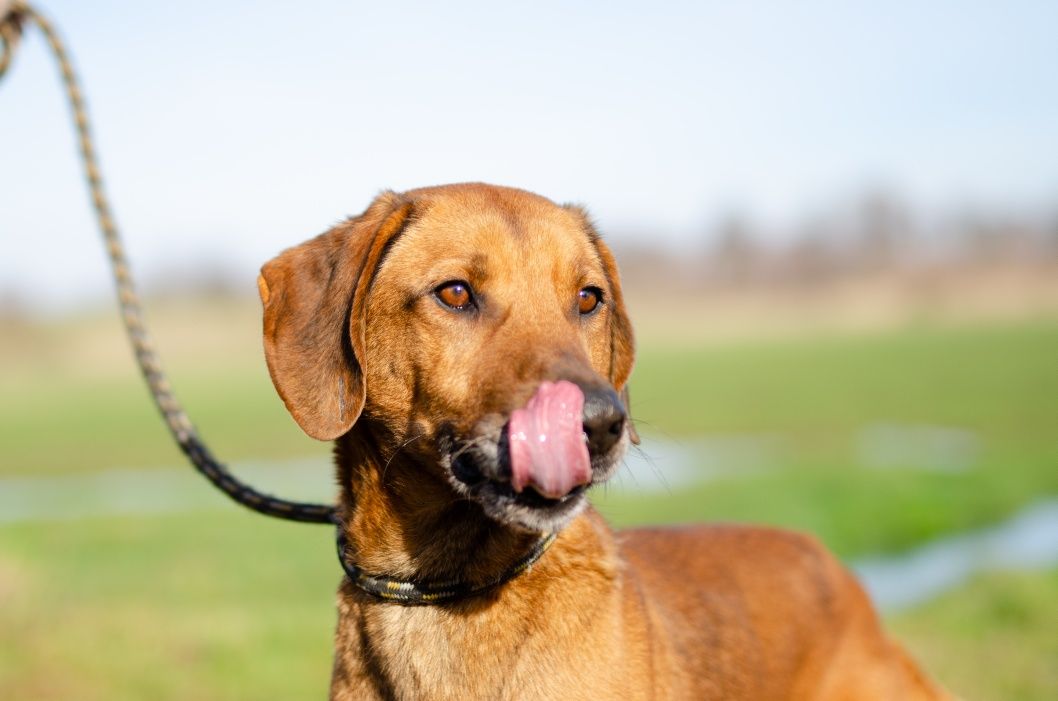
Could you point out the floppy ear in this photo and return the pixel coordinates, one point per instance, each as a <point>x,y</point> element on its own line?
<point>313,298</point>
<point>622,339</point>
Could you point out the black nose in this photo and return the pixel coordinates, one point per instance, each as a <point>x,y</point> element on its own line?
<point>604,420</point>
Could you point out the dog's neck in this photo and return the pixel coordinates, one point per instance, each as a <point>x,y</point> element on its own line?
<point>405,522</point>
<point>402,519</point>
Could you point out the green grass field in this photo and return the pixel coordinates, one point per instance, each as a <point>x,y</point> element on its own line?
<point>228,605</point>
<point>233,606</point>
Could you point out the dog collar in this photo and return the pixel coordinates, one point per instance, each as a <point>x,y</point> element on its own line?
<point>419,593</point>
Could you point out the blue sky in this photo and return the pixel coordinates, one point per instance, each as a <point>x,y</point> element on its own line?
<point>230,130</point>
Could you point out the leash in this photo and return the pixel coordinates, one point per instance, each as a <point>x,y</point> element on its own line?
<point>14,15</point>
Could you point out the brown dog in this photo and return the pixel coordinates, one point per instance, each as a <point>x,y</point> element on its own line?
<point>465,346</point>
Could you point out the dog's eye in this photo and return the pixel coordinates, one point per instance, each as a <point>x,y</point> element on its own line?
<point>455,294</point>
<point>588,299</point>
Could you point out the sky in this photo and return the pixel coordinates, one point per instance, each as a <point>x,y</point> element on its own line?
<point>231,130</point>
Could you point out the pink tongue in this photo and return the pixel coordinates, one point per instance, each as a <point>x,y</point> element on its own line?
<point>547,444</point>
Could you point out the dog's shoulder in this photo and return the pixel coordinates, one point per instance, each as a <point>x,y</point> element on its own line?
<point>749,562</point>
<point>757,574</point>
<point>758,597</point>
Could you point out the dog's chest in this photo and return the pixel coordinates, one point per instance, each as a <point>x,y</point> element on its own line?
<point>434,653</point>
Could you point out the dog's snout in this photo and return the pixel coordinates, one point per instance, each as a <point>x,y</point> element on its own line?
<point>604,420</point>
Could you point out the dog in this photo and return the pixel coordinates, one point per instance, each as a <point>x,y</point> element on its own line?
<point>467,349</point>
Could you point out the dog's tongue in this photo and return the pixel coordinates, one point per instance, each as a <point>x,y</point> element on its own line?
<point>548,451</point>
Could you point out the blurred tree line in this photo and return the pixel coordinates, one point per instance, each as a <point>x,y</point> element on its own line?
<point>876,235</point>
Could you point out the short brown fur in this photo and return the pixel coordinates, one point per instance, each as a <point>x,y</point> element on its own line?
<point>362,354</point>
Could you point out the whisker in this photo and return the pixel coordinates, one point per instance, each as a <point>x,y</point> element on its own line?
<point>468,444</point>
<point>400,447</point>
<point>658,472</point>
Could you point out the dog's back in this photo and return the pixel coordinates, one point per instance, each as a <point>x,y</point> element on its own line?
<point>752,612</point>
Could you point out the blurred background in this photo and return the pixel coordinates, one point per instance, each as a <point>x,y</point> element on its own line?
<point>838,230</point>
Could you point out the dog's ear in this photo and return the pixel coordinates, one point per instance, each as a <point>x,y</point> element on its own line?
<point>313,298</point>
<point>622,339</point>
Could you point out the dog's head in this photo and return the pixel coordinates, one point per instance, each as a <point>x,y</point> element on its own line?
<point>479,331</point>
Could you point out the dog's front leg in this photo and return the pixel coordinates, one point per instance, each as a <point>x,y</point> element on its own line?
<point>357,674</point>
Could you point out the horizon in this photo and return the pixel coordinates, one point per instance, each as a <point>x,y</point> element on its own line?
<point>241,129</point>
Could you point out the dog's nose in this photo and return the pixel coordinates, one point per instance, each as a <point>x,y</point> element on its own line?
<point>604,420</point>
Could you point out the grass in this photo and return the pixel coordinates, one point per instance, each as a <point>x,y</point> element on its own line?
<point>219,605</point>
<point>854,511</point>
<point>231,606</point>
<point>992,640</point>
<point>1000,378</point>
<point>999,382</point>
<point>814,395</point>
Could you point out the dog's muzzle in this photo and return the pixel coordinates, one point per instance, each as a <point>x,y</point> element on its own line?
<point>533,470</point>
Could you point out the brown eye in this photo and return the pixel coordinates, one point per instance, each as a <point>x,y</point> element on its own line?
<point>455,294</point>
<point>588,299</point>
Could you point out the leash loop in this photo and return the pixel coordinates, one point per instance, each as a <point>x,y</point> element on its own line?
<point>14,15</point>
<point>10,31</point>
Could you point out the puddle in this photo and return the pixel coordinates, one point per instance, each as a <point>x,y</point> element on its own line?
<point>1026,541</point>
<point>662,466</point>
<point>656,466</point>
<point>940,448</point>
<point>152,491</point>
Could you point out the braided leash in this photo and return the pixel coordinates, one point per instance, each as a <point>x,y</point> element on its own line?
<point>13,15</point>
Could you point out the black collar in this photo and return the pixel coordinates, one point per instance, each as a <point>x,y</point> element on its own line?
<point>418,593</point>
